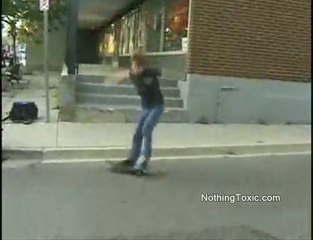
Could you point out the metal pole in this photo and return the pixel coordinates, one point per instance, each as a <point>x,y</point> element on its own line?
<point>162,35</point>
<point>46,70</point>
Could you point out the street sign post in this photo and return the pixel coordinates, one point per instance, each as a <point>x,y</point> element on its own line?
<point>44,6</point>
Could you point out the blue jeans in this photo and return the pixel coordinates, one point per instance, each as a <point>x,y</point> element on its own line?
<point>142,139</point>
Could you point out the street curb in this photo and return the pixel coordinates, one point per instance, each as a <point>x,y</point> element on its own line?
<point>20,153</point>
<point>121,152</point>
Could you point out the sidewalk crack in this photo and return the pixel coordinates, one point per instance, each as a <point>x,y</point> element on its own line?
<point>57,135</point>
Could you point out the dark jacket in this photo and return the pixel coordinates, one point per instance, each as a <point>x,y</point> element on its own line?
<point>148,87</point>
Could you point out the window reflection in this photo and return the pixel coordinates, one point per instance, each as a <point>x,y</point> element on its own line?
<point>156,26</point>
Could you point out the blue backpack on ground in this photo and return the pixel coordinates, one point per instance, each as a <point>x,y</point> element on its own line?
<point>23,112</point>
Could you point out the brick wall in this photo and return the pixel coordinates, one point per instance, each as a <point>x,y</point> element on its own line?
<point>252,39</point>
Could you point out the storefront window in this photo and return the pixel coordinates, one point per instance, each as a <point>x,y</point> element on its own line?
<point>131,32</point>
<point>124,40</point>
<point>141,31</point>
<point>176,25</point>
<point>107,43</point>
<point>167,25</point>
<point>157,26</point>
<point>152,11</point>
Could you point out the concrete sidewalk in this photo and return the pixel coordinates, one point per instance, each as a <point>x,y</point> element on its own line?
<point>32,88</point>
<point>79,137</point>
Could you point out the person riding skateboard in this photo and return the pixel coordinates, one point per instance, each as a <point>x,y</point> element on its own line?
<point>146,81</point>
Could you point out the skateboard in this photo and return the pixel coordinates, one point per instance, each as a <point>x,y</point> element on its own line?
<point>117,168</point>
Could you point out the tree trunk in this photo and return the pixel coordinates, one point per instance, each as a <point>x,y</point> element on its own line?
<point>14,43</point>
<point>14,50</point>
<point>13,35</point>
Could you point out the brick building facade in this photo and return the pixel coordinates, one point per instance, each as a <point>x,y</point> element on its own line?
<point>251,39</point>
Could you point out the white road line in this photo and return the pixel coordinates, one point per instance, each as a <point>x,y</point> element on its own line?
<point>63,161</point>
<point>105,148</point>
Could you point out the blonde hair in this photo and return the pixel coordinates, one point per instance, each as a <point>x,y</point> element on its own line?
<point>138,58</point>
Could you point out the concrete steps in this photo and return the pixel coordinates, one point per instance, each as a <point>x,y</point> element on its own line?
<point>109,99</point>
<point>90,79</point>
<point>164,82</point>
<point>110,89</point>
<point>99,99</point>
<point>97,113</point>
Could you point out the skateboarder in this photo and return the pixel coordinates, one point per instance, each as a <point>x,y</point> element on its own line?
<point>146,81</point>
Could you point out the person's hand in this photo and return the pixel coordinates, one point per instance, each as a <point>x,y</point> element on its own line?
<point>121,76</point>
<point>135,69</point>
<point>123,80</point>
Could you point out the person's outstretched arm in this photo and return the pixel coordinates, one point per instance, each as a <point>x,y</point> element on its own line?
<point>123,77</point>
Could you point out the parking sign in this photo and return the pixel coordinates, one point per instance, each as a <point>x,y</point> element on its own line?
<point>44,5</point>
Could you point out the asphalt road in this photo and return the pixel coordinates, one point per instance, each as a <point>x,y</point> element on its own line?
<point>85,201</point>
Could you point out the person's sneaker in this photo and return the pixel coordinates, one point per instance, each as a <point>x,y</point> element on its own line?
<point>144,165</point>
<point>141,163</point>
<point>145,170</point>
<point>139,172</point>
